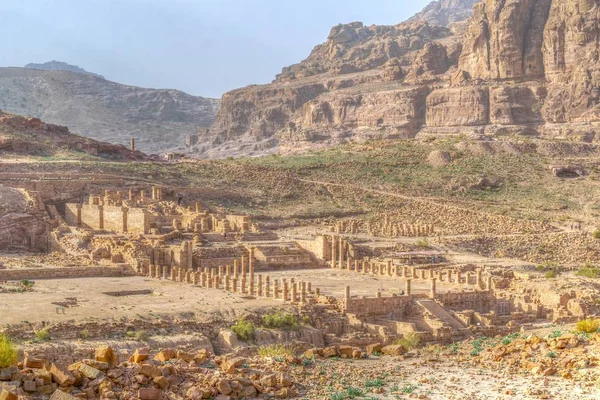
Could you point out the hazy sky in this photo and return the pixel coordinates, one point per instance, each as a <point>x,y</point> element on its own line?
<point>203,47</point>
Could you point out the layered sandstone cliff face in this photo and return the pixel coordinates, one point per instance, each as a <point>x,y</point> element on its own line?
<point>524,67</point>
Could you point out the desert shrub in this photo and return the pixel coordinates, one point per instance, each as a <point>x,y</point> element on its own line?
<point>279,320</point>
<point>423,243</point>
<point>244,330</point>
<point>588,325</point>
<point>275,350</point>
<point>409,341</point>
<point>596,234</point>
<point>84,334</point>
<point>141,336</point>
<point>43,335</point>
<point>551,274</point>
<point>8,354</point>
<point>589,272</point>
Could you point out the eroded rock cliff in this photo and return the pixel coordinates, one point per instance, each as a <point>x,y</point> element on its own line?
<point>525,67</point>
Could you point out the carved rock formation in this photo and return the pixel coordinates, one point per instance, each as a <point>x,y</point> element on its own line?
<point>517,67</point>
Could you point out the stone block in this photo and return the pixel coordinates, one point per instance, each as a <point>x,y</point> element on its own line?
<point>150,371</point>
<point>165,355</point>
<point>393,350</point>
<point>90,372</point>
<point>6,395</point>
<point>61,377</point>
<point>106,354</point>
<point>150,394</point>
<point>60,395</point>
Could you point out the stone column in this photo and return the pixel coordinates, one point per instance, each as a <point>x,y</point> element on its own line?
<point>243,284</point>
<point>349,264</point>
<point>449,276</point>
<point>251,285</point>
<point>294,292</point>
<point>234,283</point>
<point>227,283</point>
<point>356,265</point>
<point>78,206</point>
<point>309,287</point>
<point>303,292</point>
<point>286,291</point>
<point>341,253</point>
<point>244,266</point>
<point>236,268</point>
<point>458,277</point>
<point>423,274</point>
<point>490,283</point>
<point>217,282</point>
<point>267,286</point>
<point>196,278</point>
<point>433,287</point>
<point>251,260</point>
<point>414,272</point>
<point>333,251</point>
<point>407,286</point>
<point>364,267</point>
<point>275,290</point>
<point>260,285</point>
<point>479,278</point>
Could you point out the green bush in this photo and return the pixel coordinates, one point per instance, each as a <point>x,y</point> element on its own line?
<point>43,335</point>
<point>142,336</point>
<point>279,320</point>
<point>551,274</point>
<point>244,330</point>
<point>596,234</point>
<point>409,341</point>
<point>274,350</point>
<point>8,354</point>
<point>588,325</point>
<point>589,272</point>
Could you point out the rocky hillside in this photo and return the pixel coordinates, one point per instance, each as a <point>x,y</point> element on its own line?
<point>60,66</point>
<point>30,137</point>
<point>524,67</point>
<point>105,110</point>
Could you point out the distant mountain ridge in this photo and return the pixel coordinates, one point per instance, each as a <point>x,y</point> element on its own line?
<point>61,66</point>
<point>159,119</point>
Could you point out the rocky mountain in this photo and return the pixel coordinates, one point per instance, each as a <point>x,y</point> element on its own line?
<point>60,66</point>
<point>26,137</point>
<point>105,110</point>
<point>446,12</point>
<point>515,67</point>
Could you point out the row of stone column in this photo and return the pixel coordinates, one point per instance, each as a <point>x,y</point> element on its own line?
<point>227,279</point>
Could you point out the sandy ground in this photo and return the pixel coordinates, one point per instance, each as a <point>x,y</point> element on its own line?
<point>169,298</point>
<point>173,298</point>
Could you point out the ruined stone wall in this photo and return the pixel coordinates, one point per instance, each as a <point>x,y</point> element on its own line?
<point>238,222</point>
<point>317,247</point>
<point>137,221</point>
<point>460,301</point>
<point>113,219</point>
<point>90,216</point>
<point>58,273</point>
<point>375,306</point>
